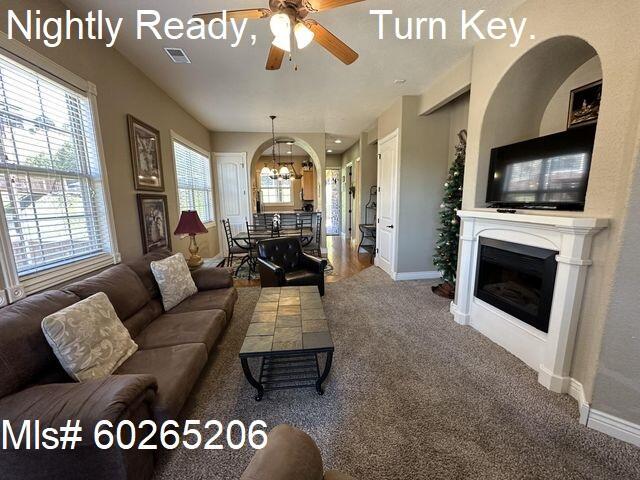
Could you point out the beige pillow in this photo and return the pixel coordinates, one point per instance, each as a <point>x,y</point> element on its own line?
<point>174,280</point>
<point>88,338</point>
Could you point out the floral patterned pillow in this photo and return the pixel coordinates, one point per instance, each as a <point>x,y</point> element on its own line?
<point>174,280</point>
<point>88,338</point>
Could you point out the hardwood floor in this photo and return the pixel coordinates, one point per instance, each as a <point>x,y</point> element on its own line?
<point>345,259</point>
<point>343,256</point>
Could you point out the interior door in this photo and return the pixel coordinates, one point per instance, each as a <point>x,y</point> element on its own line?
<point>387,203</point>
<point>233,194</point>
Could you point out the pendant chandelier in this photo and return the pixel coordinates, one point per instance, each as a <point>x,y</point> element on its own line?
<point>273,173</point>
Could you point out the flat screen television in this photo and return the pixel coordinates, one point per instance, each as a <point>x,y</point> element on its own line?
<point>550,172</point>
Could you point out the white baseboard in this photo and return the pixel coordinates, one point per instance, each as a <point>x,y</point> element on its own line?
<point>404,276</point>
<point>576,390</point>
<point>614,426</point>
<point>603,422</point>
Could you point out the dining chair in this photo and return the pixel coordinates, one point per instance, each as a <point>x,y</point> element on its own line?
<point>233,250</point>
<point>314,246</point>
<point>255,233</point>
<point>290,226</point>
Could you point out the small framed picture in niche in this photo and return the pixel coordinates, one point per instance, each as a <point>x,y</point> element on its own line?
<point>584,105</point>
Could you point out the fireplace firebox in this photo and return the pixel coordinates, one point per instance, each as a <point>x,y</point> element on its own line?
<point>517,279</point>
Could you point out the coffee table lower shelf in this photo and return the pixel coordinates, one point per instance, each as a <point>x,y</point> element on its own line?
<point>285,371</point>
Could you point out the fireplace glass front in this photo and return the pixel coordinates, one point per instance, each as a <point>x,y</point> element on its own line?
<point>517,279</point>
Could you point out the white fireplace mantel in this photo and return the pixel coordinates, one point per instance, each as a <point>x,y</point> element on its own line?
<point>549,353</point>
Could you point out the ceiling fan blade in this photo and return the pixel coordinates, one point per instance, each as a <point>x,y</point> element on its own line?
<point>333,44</point>
<point>251,14</point>
<point>274,62</point>
<point>321,5</point>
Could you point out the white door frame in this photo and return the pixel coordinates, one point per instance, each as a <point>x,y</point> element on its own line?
<point>393,135</point>
<point>243,157</point>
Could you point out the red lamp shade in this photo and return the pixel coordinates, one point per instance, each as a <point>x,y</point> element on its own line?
<point>190,224</point>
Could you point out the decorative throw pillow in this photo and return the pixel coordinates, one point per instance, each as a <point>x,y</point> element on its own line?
<point>88,338</point>
<point>174,280</point>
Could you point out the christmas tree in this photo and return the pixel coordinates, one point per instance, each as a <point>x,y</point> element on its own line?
<point>446,256</point>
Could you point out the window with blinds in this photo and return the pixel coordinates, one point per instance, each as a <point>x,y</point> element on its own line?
<point>193,172</point>
<point>276,191</point>
<point>50,178</point>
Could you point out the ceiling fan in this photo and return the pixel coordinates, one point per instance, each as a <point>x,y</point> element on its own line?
<point>289,16</point>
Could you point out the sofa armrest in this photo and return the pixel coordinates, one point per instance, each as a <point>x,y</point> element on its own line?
<point>112,398</point>
<point>212,278</point>
<point>271,275</point>
<point>313,264</point>
<point>290,453</point>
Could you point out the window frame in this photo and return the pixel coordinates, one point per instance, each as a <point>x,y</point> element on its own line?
<point>12,286</point>
<point>276,204</point>
<point>186,143</point>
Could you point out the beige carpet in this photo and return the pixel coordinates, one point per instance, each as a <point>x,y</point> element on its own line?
<point>412,395</point>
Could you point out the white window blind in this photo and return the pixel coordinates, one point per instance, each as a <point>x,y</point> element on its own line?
<point>193,170</point>
<point>275,191</point>
<point>50,176</point>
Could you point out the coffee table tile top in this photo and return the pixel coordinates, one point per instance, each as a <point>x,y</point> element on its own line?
<point>313,314</point>
<point>285,319</point>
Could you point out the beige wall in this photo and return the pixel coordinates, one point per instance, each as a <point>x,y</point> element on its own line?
<point>295,183</point>
<point>458,110</point>
<point>555,116</point>
<point>424,148</point>
<point>540,76</point>
<point>334,161</point>
<point>368,177</point>
<point>122,90</point>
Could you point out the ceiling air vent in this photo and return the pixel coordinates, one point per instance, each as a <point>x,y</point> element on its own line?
<point>177,55</point>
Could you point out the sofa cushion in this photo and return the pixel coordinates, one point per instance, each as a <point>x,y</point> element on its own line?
<point>88,338</point>
<point>124,288</point>
<point>174,280</point>
<point>196,327</point>
<point>142,267</point>
<point>176,370</point>
<point>222,299</point>
<point>24,352</point>
<point>143,317</point>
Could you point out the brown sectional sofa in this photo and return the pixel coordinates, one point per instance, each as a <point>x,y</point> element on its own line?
<point>153,384</point>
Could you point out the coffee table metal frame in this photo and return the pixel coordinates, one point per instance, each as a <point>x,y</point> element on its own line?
<point>286,370</point>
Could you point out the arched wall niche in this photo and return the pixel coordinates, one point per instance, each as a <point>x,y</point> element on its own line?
<point>522,97</point>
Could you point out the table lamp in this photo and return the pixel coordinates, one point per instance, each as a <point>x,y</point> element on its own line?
<point>190,224</point>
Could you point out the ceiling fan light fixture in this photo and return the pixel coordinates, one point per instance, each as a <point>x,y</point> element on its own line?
<point>283,42</point>
<point>280,24</point>
<point>304,36</point>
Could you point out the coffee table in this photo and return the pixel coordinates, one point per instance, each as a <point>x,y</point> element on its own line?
<point>288,332</point>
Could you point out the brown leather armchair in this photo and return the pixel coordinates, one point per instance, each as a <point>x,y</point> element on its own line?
<point>282,263</point>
